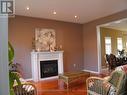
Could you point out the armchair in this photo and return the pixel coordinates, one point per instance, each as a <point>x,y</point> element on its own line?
<point>115,84</point>
<point>25,89</point>
<point>113,62</point>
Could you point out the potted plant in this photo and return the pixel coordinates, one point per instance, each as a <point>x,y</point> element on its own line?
<point>121,52</point>
<point>13,76</point>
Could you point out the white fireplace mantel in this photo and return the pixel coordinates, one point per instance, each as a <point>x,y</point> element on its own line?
<point>36,57</point>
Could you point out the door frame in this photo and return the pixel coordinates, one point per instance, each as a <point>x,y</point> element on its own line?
<point>99,41</point>
<point>4,72</point>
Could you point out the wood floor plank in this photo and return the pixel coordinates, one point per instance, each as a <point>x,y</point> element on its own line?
<point>55,87</point>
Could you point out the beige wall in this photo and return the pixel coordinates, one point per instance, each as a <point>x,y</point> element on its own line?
<point>69,35</point>
<point>114,34</point>
<point>90,40</point>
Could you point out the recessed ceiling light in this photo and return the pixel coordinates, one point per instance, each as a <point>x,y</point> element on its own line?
<point>76,16</point>
<point>27,8</point>
<point>54,12</point>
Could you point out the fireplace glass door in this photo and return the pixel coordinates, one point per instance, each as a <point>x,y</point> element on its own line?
<point>48,68</point>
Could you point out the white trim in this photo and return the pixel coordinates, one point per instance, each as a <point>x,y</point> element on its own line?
<point>98,48</point>
<point>91,71</point>
<point>30,79</point>
<point>98,41</point>
<point>4,77</point>
<point>36,57</point>
<point>108,23</point>
<point>49,78</point>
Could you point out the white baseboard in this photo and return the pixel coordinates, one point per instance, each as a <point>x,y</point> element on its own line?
<point>49,78</point>
<point>54,77</point>
<point>91,71</point>
<point>30,79</point>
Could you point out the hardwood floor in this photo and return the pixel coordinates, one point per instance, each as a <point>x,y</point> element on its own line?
<point>55,87</point>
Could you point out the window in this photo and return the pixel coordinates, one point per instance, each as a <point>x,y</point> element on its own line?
<point>119,44</point>
<point>108,45</point>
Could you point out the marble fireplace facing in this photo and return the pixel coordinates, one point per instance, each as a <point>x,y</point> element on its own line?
<point>46,65</point>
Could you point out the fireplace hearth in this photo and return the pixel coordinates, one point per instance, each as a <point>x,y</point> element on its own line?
<point>48,68</point>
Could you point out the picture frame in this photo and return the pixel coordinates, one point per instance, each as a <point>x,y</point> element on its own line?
<point>45,39</point>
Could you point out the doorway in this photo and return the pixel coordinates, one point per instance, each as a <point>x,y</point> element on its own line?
<point>111,37</point>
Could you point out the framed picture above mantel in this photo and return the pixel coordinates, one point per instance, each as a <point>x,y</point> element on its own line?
<point>45,39</point>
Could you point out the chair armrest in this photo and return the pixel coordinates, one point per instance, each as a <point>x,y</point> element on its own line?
<point>25,89</point>
<point>99,86</point>
<point>106,78</point>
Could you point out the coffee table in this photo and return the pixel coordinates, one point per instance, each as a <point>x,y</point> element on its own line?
<point>70,77</point>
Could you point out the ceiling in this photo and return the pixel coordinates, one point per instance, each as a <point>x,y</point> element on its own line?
<point>85,10</point>
<point>118,25</point>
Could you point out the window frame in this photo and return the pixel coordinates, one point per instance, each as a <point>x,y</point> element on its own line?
<point>108,45</point>
<point>119,44</point>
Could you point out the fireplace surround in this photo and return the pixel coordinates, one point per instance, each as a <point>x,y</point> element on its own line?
<point>48,58</point>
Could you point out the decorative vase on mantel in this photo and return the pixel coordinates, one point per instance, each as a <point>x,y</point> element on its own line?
<point>51,49</point>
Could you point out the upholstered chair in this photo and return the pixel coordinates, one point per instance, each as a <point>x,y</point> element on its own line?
<point>115,84</point>
<point>113,62</point>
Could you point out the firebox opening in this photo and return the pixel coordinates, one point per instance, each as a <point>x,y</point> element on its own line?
<point>48,68</point>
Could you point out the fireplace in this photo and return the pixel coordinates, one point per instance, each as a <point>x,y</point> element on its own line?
<point>46,65</point>
<point>48,68</point>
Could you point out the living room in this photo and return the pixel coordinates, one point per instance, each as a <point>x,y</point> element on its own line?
<point>76,37</point>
